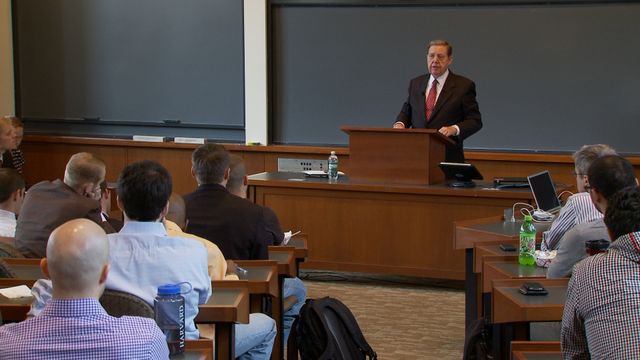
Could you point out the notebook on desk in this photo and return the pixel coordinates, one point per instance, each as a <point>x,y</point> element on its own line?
<point>544,191</point>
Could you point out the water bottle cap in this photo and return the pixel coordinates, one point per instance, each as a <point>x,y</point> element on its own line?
<point>169,289</point>
<point>528,218</point>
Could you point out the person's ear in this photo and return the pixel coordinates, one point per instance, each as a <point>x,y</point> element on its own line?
<point>44,267</point>
<point>164,211</point>
<point>104,274</point>
<point>120,203</point>
<point>245,180</point>
<point>227,173</point>
<point>193,172</point>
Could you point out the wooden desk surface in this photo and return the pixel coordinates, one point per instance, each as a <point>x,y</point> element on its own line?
<point>262,277</point>
<point>299,242</point>
<point>481,250</point>
<point>537,355</point>
<point>508,270</point>
<point>510,306</point>
<point>201,349</point>
<point>490,229</point>
<point>225,305</point>
<point>286,260</point>
<point>294,179</point>
<point>25,268</point>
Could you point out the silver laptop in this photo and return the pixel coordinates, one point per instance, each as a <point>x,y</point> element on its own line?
<point>544,192</point>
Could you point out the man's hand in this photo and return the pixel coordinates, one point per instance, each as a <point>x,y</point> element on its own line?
<point>398,125</point>
<point>231,267</point>
<point>105,201</point>
<point>448,130</point>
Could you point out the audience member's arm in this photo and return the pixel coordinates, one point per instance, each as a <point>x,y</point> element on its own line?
<point>158,348</point>
<point>566,219</point>
<point>200,282</point>
<point>570,250</point>
<point>41,291</point>
<point>573,339</point>
<point>272,225</point>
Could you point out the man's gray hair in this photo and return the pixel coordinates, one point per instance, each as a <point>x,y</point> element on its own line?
<point>209,162</point>
<point>587,154</point>
<point>84,168</point>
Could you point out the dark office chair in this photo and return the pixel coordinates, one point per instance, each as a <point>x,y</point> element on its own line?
<point>5,270</point>
<point>9,251</point>
<point>119,303</point>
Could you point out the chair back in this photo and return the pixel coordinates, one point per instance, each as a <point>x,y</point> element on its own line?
<point>9,251</point>
<point>119,303</point>
<point>5,270</point>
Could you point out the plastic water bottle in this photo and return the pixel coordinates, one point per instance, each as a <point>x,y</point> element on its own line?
<point>333,167</point>
<point>169,314</point>
<point>527,242</point>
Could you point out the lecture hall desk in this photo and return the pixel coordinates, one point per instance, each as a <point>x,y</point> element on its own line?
<point>512,311</point>
<point>379,227</point>
<point>469,234</point>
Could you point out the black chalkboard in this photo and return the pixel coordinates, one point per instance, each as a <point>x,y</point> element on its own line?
<point>549,77</point>
<point>149,67</point>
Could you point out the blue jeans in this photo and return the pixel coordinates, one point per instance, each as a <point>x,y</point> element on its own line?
<point>255,339</point>
<point>292,286</point>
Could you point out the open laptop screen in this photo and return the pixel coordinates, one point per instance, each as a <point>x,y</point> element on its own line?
<point>544,191</point>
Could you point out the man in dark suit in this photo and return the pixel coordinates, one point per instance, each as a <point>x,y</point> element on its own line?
<point>442,100</point>
<point>236,225</point>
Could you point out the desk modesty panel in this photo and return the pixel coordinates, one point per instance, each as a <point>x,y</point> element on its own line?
<point>376,227</point>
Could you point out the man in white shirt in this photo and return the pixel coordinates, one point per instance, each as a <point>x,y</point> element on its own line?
<point>11,196</point>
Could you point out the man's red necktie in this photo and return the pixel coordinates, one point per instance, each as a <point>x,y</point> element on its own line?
<point>431,98</point>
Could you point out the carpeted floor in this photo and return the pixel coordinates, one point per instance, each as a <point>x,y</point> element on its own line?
<point>401,321</point>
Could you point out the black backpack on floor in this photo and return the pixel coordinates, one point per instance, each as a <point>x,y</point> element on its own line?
<point>327,330</point>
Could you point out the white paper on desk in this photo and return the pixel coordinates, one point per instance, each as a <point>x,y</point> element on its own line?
<point>288,235</point>
<point>16,292</point>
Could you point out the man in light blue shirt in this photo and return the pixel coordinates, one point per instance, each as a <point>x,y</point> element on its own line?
<point>143,257</point>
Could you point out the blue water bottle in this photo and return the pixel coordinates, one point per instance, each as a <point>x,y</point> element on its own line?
<point>169,314</point>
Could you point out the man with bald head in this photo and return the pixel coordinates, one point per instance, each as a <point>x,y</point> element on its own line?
<point>74,324</point>
<point>51,203</point>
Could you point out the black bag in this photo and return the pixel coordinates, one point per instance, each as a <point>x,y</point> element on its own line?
<point>327,330</point>
<point>477,341</point>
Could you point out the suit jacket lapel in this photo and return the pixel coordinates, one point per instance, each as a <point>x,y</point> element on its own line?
<point>445,94</point>
<point>422,86</point>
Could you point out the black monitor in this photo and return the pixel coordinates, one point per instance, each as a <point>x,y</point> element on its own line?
<point>461,174</point>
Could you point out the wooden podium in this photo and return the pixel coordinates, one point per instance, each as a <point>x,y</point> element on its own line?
<point>398,156</point>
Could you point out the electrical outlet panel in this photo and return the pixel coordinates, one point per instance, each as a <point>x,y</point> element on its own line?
<point>299,165</point>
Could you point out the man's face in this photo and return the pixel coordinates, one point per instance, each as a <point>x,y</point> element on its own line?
<point>19,135</point>
<point>7,137</point>
<point>438,60</point>
<point>581,181</point>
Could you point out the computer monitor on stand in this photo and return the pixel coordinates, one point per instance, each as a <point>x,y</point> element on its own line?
<point>460,174</point>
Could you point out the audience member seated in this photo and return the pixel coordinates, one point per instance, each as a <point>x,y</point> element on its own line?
<point>607,175</point>
<point>235,224</point>
<point>578,209</point>
<point>105,208</point>
<point>174,222</point>
<point>237,185</point>
<point>14,157</point>
<point>11,198</point>
<point>601,318</point>
<point>73,325</point>
<point>49,204</point>
<point>144,257</point>
<point>7,141</point>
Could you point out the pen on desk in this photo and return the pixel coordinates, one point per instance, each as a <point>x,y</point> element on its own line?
<point>241,271</point>
<point>296,233</point>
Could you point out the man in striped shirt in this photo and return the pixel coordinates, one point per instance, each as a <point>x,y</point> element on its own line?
<point>73,325</point>
<point>601,318</point>
<point>579,208</point>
